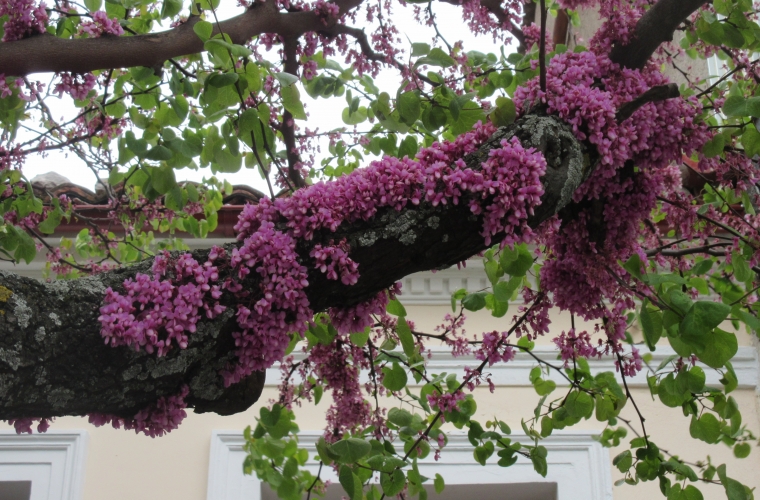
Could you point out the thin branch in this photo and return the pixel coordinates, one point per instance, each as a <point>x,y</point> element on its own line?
<point>542,48</point>
<point>288,129</point>
<point>658,93</point>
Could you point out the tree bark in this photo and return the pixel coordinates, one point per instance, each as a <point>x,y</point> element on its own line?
<point>47,53</point>
<point>654,28</point>
<point>53,360</point>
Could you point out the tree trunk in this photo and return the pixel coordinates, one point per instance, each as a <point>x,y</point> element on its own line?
<point>53,361</point>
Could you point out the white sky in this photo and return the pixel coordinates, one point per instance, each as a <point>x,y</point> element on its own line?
<point>324,113</point>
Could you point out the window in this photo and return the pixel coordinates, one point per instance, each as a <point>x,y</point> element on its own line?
<point>42,466</point>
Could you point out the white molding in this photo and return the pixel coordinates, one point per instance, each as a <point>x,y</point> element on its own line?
<point>577,463</point>
<point>54,462</point>
<point>435,288</point>
<point>515,372</point>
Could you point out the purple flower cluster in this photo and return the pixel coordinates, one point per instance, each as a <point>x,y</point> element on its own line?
<point>585,90</point>
<point>573,345</point>
<point>280,308</point>
<point>445,402</point>
<point>162,417</point>
<point>154,313</point>
<point>74,86</point>
<point>338,365</point>
<point>335,262</point>
<point>506,190</point>
<point>24,425</point>
<point>101,25</point>
<point>493,350</point>
<point>356,318</point>
<point>24,19</point>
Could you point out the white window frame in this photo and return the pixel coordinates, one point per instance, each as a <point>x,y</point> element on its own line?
<point>577,463</point>
<point>54,462</point>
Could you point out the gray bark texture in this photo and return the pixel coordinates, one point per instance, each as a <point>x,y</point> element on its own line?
<point>53,361</point>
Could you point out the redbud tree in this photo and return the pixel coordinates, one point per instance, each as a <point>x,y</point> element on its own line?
<point>585,180</point>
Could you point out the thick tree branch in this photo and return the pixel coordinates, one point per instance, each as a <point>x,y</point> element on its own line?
<point>53,360</point>
<point>653,29</point>
<point>47,53</point>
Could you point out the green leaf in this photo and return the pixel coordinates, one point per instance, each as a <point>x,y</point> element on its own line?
<point>393,483</point>
<point>420,49</point>
<point>690,492</point>
<point>734,489</point>
<point>701,318</point>
<point>623,461</point>
<point>405,336</point>
<point>544,387</point>
<point>409,107</point>
<point>504,290</point>
<point>538,457</point>
<point>93,5</point>
<point>291,99</point>
<point>436,57</point>
<point>579,404</point>
<point>701,267</point>
<point>51,222</point>
<point>394,378</point>
<point>751,141</point>
<point>742,450</point>
<point>171,8</point>
<point>225,161</point>
<point>395,308</point>
<point>483,453</point>
<point>695,379</point>
<point>360,338</point>
<point>714,146</point>
<point>738,105</point>
<point>651,325</point>
<point>633,265</point>
<point>324,451</point>
<point>350,450</point>
<point>354,118</point>
<point>706,428</point>
<point>220,80</point>
<point>670,393</point>
<point>438,484</point>
<point>474,301</point>
<point>203,29</point>
<point>25,247</point>
<point>719,348</point>
<point>285,79</point>
<point>352,485</point>
<point>546,426</point>
<point>517,261</point>
<point>742,271</point>
<point>408,147</point>
<point>504,113</point>
<point>400,417</point>
<point>159,153</point>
